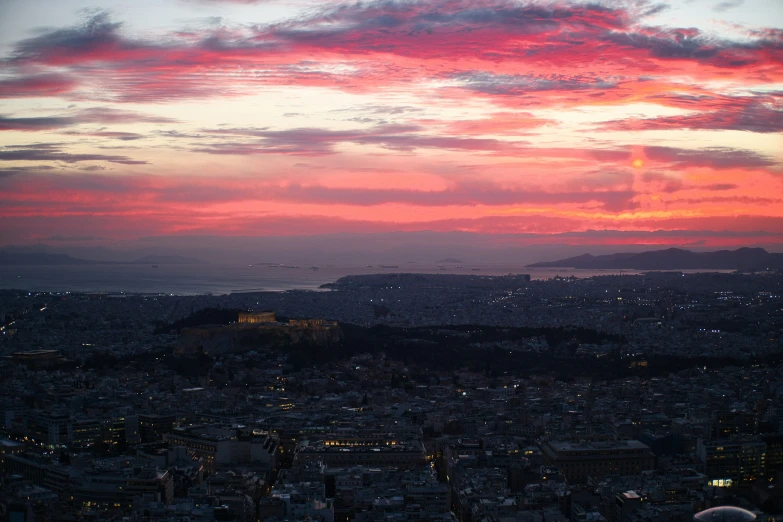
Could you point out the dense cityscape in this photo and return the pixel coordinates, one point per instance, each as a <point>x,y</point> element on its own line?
<point>644,398</point>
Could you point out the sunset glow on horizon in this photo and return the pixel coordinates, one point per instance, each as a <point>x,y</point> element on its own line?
<point>612,122</point>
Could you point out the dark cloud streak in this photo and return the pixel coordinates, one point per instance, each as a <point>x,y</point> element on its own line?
<point>314,141</point>
<point>715,157</point>
<point>49,154</point>
<point>101,115</point>
<point>761,113</point>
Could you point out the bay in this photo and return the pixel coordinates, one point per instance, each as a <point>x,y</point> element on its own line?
<point>196,279</point>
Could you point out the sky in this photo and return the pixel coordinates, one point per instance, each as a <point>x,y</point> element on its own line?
<point>613,123</point>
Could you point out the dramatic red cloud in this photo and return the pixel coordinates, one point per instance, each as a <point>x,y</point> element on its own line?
<point>172,205</point>
<point>759,113</point>
<point>484,116</point>
<point>38,85</point>
<point>477,44</point>
<point>511,123</point>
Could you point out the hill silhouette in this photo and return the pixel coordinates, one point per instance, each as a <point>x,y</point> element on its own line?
<point>745,259</point>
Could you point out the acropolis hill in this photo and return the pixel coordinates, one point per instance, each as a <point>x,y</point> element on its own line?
<point>253,329</point>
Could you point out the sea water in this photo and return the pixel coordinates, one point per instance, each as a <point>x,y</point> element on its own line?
<point>195,279</point>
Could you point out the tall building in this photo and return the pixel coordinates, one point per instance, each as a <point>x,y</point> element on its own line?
<point>774,456</point>
<point>726,424</point>
<point>731,462</point>
<point>50,428</point>
<point>152,427</point>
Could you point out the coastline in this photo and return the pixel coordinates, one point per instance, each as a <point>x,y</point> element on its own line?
<point>192,280</point>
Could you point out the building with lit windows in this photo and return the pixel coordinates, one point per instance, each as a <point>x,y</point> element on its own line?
<point>312,323</point>
<point>152,427</point>
<point>38,358</point>
<point>85,432</point>
<point>41,472</point>
<point>109,488</point>
<point>54,429</point>
<point>732,462</point>
<point>222,447</point>
<point>211,444</point>
<point>578,461</point>
<point>49,428</point>
<point>256,317</point>
<point>727,424</point>
<point>774,456</point>
<point>360,451</point>
<point>9,447</point>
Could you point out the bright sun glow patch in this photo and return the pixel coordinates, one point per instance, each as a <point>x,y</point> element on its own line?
<point>638,163</point>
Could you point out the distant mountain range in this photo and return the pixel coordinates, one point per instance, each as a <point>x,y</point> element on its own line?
<point>40,258</point>
<point>748,259</point>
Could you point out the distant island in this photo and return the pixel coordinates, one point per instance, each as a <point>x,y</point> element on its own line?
<point>746,259</point>
<point>450,260</point>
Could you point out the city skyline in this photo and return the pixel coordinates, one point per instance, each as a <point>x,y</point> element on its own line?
<point>609,123</point>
